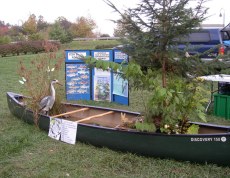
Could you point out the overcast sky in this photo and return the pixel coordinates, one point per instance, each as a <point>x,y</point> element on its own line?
<point>17,11</point>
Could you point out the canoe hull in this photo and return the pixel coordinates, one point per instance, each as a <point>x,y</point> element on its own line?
<point>200,148</point>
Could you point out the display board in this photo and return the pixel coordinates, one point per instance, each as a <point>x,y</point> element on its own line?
<point>83,83</point>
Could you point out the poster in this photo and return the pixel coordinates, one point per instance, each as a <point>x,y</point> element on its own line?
<point>78,80</point>
<point>102,88</point>
<point>55,128</point>
<point>68,131</point>
<point>76,55</point>
<point>121,56</point>
<point>63,130</point>
<point>120,86</point>
<point>102,55</point>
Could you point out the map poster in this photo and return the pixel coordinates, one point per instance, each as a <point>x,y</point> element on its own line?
<point>76,55</point>
<point>102,88</point>
<point>120,86</point>
<point>69,131</point>
<point>55,128</point>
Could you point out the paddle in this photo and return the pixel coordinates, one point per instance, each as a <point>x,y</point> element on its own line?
<point>70,112</point>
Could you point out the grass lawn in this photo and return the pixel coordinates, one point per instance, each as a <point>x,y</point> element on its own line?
<point>25,151</point>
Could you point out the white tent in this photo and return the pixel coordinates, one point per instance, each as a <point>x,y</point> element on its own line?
<point>217,78</point>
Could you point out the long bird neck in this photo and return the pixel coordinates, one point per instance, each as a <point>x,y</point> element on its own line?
<point>52,90</point>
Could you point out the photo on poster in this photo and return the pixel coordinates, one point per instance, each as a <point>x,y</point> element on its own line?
<point>120,85</point>
<point>102,88</point>
<point>101,72</point>
<point>55,128</point>
<point>76,55</point>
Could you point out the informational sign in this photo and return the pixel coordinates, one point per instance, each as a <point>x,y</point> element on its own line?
<point>76,55</point>
<point>55,128</point>
<point>68,131</point>
<point>102,88</point>
<point>102,79</point>
<point>77,81</point>
<point>120,85</point>
<point>63,130</point>
<point>102,55</point>
<point>83,83</point>
<point>120,56</point>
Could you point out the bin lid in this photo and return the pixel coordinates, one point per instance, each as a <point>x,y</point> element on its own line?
<point>217,78</point>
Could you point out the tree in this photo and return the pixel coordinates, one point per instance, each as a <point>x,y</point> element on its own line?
<point>83,27</point>
<point>65,24</point>
<point>42,25</point>
<point>30,26</point>
<point>152,27</point>
<point>119,31</point>
<point>57,32</point>
<point>152,31</point>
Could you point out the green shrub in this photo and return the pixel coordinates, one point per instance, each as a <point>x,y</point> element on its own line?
<point>5,40</point>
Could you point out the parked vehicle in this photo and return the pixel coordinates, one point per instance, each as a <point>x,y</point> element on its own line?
<point>208,42</point>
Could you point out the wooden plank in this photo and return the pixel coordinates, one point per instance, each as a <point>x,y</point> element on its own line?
<point>70,112</point>
<point>95,116</point>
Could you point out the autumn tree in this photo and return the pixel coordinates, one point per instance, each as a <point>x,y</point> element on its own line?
<point>83,27</point>
<point>4,33</point>
<point>30,26</point>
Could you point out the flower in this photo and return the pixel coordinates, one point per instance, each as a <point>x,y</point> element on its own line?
<point>48,70</point>
<point>166,126</point>
<point>22,81</point>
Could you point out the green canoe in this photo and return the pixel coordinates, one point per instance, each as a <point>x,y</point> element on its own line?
<point>100,127</point>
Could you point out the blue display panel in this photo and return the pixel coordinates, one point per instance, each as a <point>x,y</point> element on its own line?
<point>120,86</point>
<point>102,80</point>
<point>83,83</point>
<point>73,56</point>
<point>78,82</point>
<point>120,89</point>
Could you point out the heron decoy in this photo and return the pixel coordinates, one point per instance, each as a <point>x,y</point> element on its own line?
<point>47,102</point>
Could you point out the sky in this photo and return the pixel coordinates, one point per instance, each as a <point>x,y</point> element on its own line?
<point>16,12</point>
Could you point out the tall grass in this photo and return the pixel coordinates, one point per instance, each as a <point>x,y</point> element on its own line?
<point>25,151</point>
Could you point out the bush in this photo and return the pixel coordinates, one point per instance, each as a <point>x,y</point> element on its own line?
<point>26,47</point>
<point>5,40</point>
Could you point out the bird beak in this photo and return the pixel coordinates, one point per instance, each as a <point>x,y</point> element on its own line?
<point>59,83</point>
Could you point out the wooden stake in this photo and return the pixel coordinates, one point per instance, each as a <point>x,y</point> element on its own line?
<point>95,116</point>
<point>70,112</point>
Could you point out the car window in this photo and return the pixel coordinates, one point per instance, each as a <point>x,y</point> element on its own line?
<point>201,36</point>
<point>225,35</point>
<point>197,37</point>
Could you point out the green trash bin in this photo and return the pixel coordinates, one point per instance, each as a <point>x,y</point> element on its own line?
<point>222,105</point>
